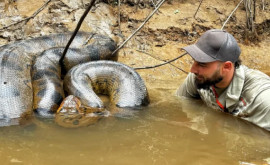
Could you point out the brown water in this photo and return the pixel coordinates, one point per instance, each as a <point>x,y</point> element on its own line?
<point>169,131</point>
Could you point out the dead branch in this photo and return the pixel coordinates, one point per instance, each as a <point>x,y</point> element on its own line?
<point>28,18</point>
<point>198,9</point>
<point>119,16</point>
<point>76,31</point>
<point>250,14</point>
<point>161,60</point>
<point>146,20</point>
<point>155,6</point>
<point>231,14</point>
<point>155,66</point>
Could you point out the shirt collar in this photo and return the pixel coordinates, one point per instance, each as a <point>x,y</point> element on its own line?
<point>234,90</point>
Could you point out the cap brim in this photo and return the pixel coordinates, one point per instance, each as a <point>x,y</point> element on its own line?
<point>198,55</point>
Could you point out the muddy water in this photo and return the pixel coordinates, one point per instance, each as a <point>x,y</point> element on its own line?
<point>169,131</point>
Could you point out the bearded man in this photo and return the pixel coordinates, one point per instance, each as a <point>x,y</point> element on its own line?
<point>218,78</point>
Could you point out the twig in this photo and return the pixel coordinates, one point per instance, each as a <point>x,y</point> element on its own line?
<point>76,31</point>
<point>154,66</point>
<point>247,12</point>
<point>231,14</point>
<point>198,9</point>
<point>161,60</point>
<point>254,13</point>
<point>155,5</point>
<point>262,4</point>
<point>119,16</point>
<point>139,27</point>
<point>28,18</point>
<point>158,2</point>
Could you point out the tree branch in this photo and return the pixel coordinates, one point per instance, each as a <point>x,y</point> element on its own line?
<point>28,18</point>
<point>76,31</point>
<point>231,14</point>
<point>198,9</point>
<point>155,66</point>
<point>147,19</point>
<point>161,60</point>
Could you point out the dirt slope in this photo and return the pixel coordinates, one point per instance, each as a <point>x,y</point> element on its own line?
<point>161,38</point>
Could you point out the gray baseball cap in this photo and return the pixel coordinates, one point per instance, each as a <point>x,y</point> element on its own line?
<point>214,45</point>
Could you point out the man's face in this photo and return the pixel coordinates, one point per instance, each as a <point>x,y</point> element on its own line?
<point>207,74</point>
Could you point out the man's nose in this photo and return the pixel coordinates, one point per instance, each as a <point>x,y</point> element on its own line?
<point>194,68</point>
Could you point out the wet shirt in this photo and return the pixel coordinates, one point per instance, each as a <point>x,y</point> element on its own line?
<point>247,96</point>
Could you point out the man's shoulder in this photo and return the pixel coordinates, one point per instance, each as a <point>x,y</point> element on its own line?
<point>254,75</point>
<point>255,81</point>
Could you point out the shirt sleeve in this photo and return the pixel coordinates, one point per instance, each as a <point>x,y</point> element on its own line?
<point>259,110</point>
<point>188,88</point>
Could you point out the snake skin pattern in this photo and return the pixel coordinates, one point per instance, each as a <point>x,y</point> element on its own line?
<point>83,82</point>
<point>121,83</point>
<point>30,74</point>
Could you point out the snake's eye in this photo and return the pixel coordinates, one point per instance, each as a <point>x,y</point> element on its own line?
<point>73,110</point>
<point>63,110</point>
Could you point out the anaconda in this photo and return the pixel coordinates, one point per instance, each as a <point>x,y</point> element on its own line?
<point>120,82</point>
<point>72,114</point>
<point>123,85</point>
<point>30,74</point>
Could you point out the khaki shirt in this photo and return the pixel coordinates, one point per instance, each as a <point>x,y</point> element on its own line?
<point>247,96</point>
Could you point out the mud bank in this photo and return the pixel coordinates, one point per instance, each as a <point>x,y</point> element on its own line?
<point>161,38</point>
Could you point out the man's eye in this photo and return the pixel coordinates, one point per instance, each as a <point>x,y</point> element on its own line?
<point>202,64</point>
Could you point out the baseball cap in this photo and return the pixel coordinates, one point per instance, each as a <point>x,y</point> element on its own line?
<point>214,45</point>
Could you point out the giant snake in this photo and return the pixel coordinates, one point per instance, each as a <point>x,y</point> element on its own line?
<point>121,83</point>
<point>30,73</point>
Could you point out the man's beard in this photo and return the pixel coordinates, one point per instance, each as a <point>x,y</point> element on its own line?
<point>207,82</point>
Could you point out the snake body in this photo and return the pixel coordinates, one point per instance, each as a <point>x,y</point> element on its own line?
<point>121,83</point>
<point>84,82</point>
<point>30,74</point>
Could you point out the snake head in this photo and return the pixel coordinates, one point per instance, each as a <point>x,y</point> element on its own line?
<point>71,114</point>
<point>70,104</point>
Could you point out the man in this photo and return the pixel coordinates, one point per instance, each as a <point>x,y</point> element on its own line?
<point>219,79</point>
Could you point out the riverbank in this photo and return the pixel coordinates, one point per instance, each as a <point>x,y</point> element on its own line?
<point>161,38</point>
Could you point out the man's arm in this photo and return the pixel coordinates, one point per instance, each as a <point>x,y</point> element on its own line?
<point>259,110</point>
<point>188,88</point>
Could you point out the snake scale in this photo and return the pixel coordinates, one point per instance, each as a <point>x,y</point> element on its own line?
<point>30,73</point>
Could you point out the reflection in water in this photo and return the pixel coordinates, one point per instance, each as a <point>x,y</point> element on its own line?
<point>169,131</point>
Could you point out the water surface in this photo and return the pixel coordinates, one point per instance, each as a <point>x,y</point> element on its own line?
<point>169,131</point>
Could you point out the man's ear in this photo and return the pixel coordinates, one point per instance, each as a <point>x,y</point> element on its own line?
<point>228,66</point>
